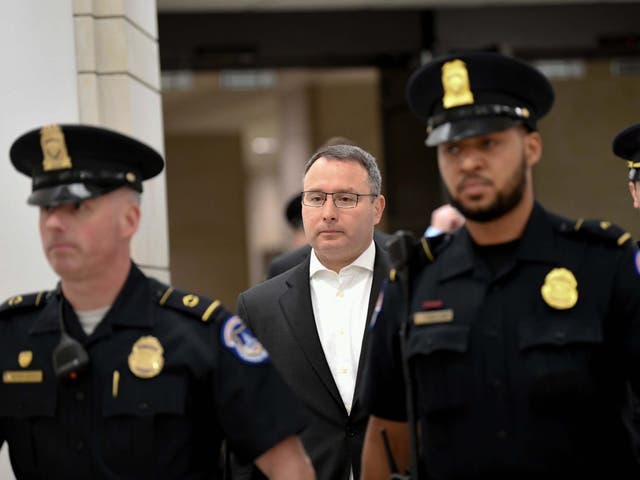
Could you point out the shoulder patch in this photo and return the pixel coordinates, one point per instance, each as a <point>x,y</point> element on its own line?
<point>193,305</point>
<point>599,231</point>
<point>237,337</point>
<point>23,302</point>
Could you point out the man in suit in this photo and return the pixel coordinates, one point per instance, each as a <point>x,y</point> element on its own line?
<point>312,318</point>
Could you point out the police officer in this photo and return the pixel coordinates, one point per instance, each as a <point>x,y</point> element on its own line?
<point>522,328</point>
<point>626,145</point>
<point>113,374</point>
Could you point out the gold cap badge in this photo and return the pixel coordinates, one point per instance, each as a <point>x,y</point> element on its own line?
<point>54,149</point>
<point>455,83</point>
<point>146,359</point>
<point>560,289</point>
<point>24,358</point>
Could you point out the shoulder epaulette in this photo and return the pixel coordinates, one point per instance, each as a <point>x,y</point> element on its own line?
<point>599,231</point>
<point>193,305</point>
<point>422,252</point>
<point>24,302</point>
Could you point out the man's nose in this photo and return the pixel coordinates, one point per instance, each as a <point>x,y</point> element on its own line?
<point>470,159</point>
<point>55,218</point>
<point>329,209</point>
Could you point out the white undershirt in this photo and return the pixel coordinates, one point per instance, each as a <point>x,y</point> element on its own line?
<point>340,303</point>
<point>89,319</point>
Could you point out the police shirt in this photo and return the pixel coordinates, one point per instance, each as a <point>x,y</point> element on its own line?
<point>521,372</point>
<point>170,375</point>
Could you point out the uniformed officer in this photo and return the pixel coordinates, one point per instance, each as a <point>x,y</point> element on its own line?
<point>626,145</point>
<point>522,328</point>
<point>113,374</point>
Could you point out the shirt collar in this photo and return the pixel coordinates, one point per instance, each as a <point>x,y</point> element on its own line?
<point>537,244</point>
<point>130,309</point>
<point>366,261</point>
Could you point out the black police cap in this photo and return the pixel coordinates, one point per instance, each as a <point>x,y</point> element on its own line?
<point>476,93</point>
<point>626,145</point>
<point>293,211</point>
<point>72,163</point>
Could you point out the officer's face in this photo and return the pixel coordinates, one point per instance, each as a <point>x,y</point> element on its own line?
<point>488,175</point>
<point>83,240</point>
<point>339,235</point>
<point>634,190</point>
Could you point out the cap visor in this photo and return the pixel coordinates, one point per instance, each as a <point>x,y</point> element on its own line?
<point>64,194</point>
<point>469,127</point>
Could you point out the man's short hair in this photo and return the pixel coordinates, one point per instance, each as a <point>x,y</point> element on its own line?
<point>351,153</point>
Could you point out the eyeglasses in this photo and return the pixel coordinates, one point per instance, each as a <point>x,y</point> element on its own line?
<point>312,198</point>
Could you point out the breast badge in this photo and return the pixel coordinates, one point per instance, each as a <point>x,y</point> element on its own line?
<point>146,358</point>
<point>24,358</point>
<point>239,339</point>
<point>560,289</point>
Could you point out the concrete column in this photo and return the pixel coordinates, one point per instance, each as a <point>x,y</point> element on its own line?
<point>119,87</point>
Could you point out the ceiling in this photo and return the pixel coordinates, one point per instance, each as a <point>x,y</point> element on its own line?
<point>263,5</point>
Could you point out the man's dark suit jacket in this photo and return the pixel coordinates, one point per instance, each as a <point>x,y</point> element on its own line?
<point>280,314</point>
<point>286,260</point>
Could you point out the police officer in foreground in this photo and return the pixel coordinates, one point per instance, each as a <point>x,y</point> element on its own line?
<point>112,374</point>
<point>522,329</point>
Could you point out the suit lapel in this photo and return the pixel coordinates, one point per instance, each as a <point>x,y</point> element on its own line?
<point>380,273</point>
<point>298,311</point>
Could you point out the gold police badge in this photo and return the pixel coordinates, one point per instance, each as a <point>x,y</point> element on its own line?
<point>455,83</point>
<point>146,358</point>
<point>24,358</point>
<point>54,149</point>
<point>560,289</point>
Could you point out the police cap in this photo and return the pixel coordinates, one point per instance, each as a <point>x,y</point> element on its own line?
<point>476,93</point>
<point>293,211</point>
<point>626,145</point>
<point>72,163</point>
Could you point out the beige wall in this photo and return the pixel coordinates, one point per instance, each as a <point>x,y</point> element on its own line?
<point>349,110</point>
<point>205,179</point>
<point>579,176</point>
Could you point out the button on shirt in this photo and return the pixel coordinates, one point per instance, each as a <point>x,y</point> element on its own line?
<point>340,303</point>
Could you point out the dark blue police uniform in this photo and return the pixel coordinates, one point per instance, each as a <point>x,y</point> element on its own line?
<point>509,385</point>
<point>125,417</point>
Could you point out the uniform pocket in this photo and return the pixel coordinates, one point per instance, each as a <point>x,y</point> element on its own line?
<point>132,417</point>
<point>26,411</point>
<point>440,366</point>
<point>560,351</point>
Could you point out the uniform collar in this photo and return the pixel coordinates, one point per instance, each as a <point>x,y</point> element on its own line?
<point>132,307</point>
<point>536,245</point>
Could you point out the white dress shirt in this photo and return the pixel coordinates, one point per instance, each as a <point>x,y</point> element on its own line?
<point>340,303</point>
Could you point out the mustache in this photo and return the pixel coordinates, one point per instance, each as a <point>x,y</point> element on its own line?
<point>52,242</point>
<point>472,178</point>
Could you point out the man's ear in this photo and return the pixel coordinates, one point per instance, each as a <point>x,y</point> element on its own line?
<point>378,207</point>
<point>533,148</point>
<point>633,190</point>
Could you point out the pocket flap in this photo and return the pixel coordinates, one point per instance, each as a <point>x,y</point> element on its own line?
<point>559,331</point>
<point>150,396</point>
<point>433,338</point>
<point>28,400</point>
